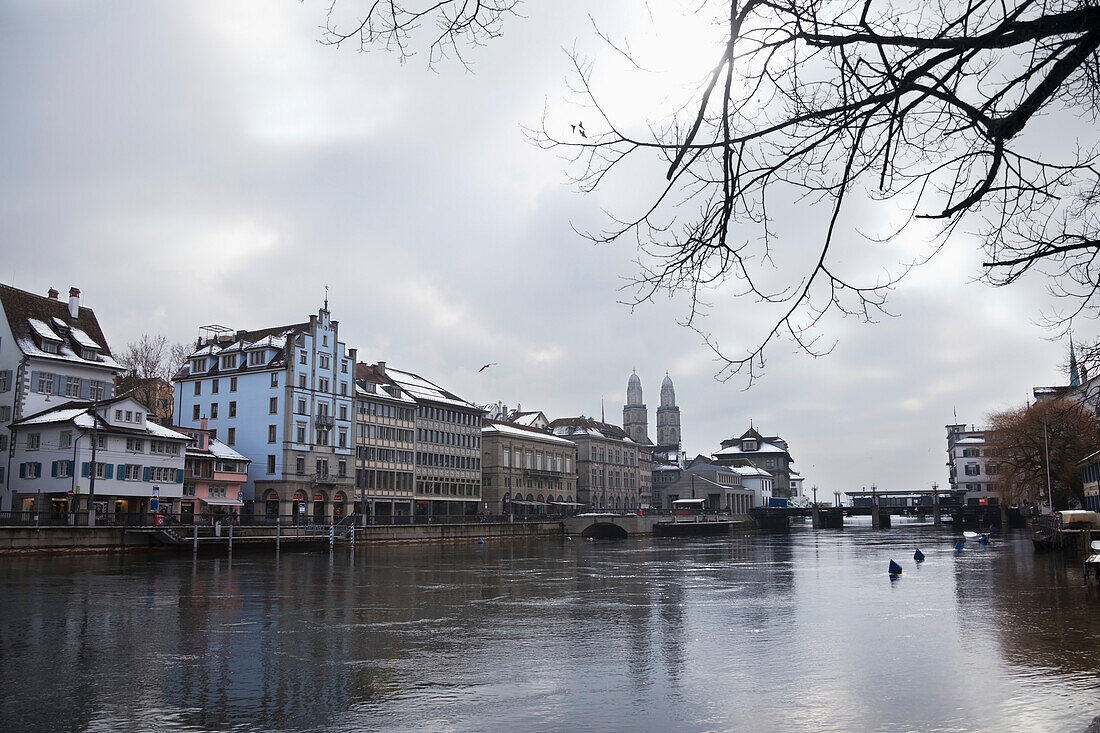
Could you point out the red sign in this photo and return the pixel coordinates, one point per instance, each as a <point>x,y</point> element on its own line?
<point>70,494</point>
<point>298,496</point>
<point>983,500</point>
<point>318,497</point>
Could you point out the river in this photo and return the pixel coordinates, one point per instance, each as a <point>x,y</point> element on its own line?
<point>758,632</point>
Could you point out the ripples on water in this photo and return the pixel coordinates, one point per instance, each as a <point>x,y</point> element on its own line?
<point>768,632</point>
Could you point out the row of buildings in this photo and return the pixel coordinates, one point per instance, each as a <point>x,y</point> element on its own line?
<point>287,422</point>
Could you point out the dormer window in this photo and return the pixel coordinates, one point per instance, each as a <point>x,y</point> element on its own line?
<point>198,365</point>
<point>51,347</point>
<point>748,445</point>
<point>229,361</point>
<point>256,358</point>
<point>89,354</point>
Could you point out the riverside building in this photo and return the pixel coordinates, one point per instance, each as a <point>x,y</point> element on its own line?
<point>50,352</point>
<point>385,444</point>
<point>609,469</point>
<point>284,398</point>
<point>526,470</point>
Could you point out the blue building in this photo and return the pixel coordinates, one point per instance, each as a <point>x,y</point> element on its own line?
<point>283,397</point>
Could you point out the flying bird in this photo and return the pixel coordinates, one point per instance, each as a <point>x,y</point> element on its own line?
<point>492,363</point>
<point>579,128</point>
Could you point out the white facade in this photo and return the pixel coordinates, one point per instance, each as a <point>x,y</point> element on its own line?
<point>135,459</point>
<point>970,465</point>
<point>759,481</point>
<point>51,351</point>
<point>284,398</point>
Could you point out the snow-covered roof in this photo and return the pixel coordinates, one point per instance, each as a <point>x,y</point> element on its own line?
<point>43,330</point>
<point>62,415</point>
<point>750,471</point>
<point>79,413</point>
<point>223,451</point>
<point>735,450</point>
<point>503,429</point>
<point>82,338</point>
<point>421,389</point>
<point>972,440</point>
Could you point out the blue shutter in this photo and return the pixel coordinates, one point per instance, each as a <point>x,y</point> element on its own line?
<point>85,389</point>
<point>179,475</point>
<point>34,381</point>
<point>22,470</point>
<point>37,469</point>
<point>85,469</point>
<point>121,472</point>
<point>53,469</point>
<point>147,473</point>
<point>108,471</point>
<point>71,464</point>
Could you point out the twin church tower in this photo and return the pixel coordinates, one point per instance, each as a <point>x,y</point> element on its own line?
<point>636,417</point>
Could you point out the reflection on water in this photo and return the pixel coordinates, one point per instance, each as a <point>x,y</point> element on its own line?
<point>767,632</point>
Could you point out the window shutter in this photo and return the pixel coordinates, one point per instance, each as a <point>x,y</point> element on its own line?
<point>179,475</point>
<point>85,469</point>
<point>71,464</point>
<point>147,473</point>
<point>37,469</point>
<point>121,471</point>
<point>108,471</point>
<point>34,381</point>
<point>22,470</point>
<point>85,389</point>
<point>53,469</point>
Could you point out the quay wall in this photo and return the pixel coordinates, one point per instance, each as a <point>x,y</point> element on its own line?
<point>62,539</point>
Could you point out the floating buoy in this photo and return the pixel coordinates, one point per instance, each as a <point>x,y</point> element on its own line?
<point>959,546</point>
<point>480,541</point>
<point>983,539</point>
<point>895,569</point>
<point>918,556</point>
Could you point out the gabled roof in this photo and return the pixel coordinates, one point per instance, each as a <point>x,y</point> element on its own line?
<point>581,425</point>
<point>424,390</point>
<point>490,427</point>
<point>239,342</point>
<point>33,318</point>
<point>78,412</point>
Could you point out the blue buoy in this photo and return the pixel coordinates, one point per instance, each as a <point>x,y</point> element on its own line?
<point>480,541</point>
<point>918,556</point>
<point>895,569</point>
<point>983,540</point>
<point>959,546</point>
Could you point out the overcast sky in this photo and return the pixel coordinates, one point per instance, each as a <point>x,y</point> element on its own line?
<point>192,163</point>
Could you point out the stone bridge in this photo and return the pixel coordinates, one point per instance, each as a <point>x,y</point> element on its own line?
<point>609,526</point>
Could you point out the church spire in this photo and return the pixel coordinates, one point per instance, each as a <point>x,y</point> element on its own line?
<point>1074,375</point>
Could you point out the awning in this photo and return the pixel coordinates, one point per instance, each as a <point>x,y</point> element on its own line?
<point>565,503</point>
<point>689,501</point>
<point>223,502</point>
<point>524,502</point>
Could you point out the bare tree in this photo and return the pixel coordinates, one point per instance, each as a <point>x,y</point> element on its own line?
<point>1026,442</point>
<point>827,101</point>
<point>150,363</point>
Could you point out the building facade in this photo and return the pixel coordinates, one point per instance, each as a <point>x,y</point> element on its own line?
<point>767,452</point>
<point>668,416</point>
<point>609,466</point>
<point>385,444</point>
<point>106,453</point>
<point>284,398</point>
<point>970,465</point>
<point>526,470</point>
<point>213,477</point>
<point>708,486</point>
<point>50,352</point>
<point>635,413</point>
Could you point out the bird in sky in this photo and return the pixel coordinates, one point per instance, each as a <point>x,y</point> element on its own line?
<point>579,128</point>
<point>492,363</point>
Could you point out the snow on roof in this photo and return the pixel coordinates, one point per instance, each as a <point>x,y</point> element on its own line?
<point>735,450</point>
<point>61,415</point>
<point>43,330</point>
<point>970,441</point>
<point>82,338</point>
<point>750,471</point>
<point>64,353</point>
<point>421,388</point>
<point>490,427</point>
<point>159,431</point>
<point>223,451</point>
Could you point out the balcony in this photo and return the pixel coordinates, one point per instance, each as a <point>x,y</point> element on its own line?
<point>540,473</point>
<point>324,420</point>
<point>330,479</point>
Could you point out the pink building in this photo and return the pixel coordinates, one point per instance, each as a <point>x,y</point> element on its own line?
<point>212,477</point>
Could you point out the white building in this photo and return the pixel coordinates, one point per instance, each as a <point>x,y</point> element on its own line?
<point>283,397</point>
<point>133,460</point>
<point>757,480</point>
<point>50,352</point>
<point>971,467</point>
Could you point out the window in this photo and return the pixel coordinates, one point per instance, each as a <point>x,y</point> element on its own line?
<point>95,389</point>
<point>343,367</point>
<point>5,380</point>
<point>45,382</point>
<point>118,415</point>
<point>33,440</point>
<point>300,465</point>
<point>233,408</point>
<point>300,432</point>
<point>3,442</point>
<point>135,445</point>
<point>50,347</point>
<point>229,361</point>
<point>301,406</point>
<point>271,430</point>
<point>195,412</point>
<point>129,416</point>
<point>302,357</point>
<point>198,387</point>
<point>324,361</point>
<point>231,436</point>
<point>30,469</point>
<point>271,464</point>
<point>213,410</point>
<point>63,469</point>
<point>972,469</point>
<point>198,365</point>
<point>343,438</point>
<point>72,386</point>
<point>130,472</point>
<point>213,386</point>
<point>165,474</point>
<point>769,463</point>
<point>343,412</point>
<point>274,379</point>
<point>343,388</point>
<point>65,439</point>
<point>748,445</point>
<point>232,384</point>
<point>273,405</point>
<point>342,468</point>
<point>301,381</point>
<point>322,384</point>
<point>255,358</point>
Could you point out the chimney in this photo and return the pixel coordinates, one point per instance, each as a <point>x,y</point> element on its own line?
<point>381,368</point>
<point>52,294</point>
<point>74,302</point>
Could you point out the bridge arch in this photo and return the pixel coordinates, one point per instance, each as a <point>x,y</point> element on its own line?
<point>604,531</point>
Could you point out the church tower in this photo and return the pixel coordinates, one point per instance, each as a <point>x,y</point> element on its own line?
<point>635,416</point>
<point>668,415</point>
